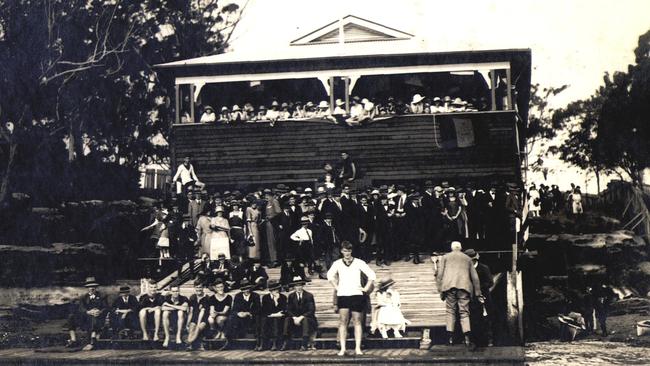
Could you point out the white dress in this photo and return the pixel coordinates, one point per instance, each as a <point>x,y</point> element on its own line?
<point>219,239</point>
<point>390,313</point>
<point>534,196</point>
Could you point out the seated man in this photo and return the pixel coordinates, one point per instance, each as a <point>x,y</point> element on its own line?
<point>257,275</point>
<point>199,311</point>
<point>174,308</point>
<point>289,270</point>
<point>220,269</point>
<point>274,306</point>
<point>244,315</point>
<point>90,315</point>
<point>124,313</point>
<point>301,313</point>
<point>150,304</point>
<point>237,273</point>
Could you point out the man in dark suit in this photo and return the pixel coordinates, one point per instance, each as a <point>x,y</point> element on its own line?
<point>490,214</point>
<point>89,316</point>
<point>400,223</point>
<point>349,216</point>
<point>416,227</point>
<point>244,316</point>
<point>481,309</point>
<point>291,269</point>
<point>274,307</point>
<point>256,275</point>
<point>285,222</point>
<point>295,212</point>
<point>475,204</point>
<point>366,222</point>
<point>330,240</point>
<point>124,313</point>
<point>195,206</point>
<point>382,229</point>
<point>221,269</point>
<point>301,313</point>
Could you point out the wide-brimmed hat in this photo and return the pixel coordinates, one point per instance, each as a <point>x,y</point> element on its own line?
<point>339,102</point>
<point>224,109</point>
<point>309,104</point>
<point>284,105</point>
<point>437,99</point>
<point>447,98</point>
<point>208,108</point>
<point>267,191</point>
<point>236,108</point>
<point>297,280</point>
<point>281,188</point>
<point>323,104</point>
<point>221,255</point>
<point>304,220</point>
<point>125,290</point>
<point>275,104</point>
<point>91,282</point>
<point>417,98</point>
<point>472,253</point>
<point>375,191</point>
<point>262,108</point>
<point>245,285</point>
<point>457,101</point>
<point>437,189</point>
<point>385,283</point>
<point>218,209</point>
<point>273,285</point>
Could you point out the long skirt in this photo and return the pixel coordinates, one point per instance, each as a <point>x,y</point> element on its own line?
<point>219,243</point>
<point>254,251</point>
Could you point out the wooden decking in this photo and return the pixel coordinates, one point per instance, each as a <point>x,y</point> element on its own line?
<point>455,355</point>
<point>421,302</point>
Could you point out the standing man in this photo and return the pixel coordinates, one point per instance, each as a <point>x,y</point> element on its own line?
<point>382,230</point>
<point>400,223</point>
<point>345,277</point>
<point>457,281</point>
<point>195,207</point>
<point>604,297</point>
<point>91,315</point>
<point>303,243</point>
<point>330,240</point>
<point>301,313</point>
<point>347,169</point>
<point>174,307</point>
<point>481,314</point>
<point>366,220</point>
<point>271,212</point>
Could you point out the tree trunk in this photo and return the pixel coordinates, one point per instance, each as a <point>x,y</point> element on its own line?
<point>597,180</point>
<point>4,187</point>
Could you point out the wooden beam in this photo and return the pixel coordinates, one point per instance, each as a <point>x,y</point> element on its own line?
<point>192,87</point>
<point>509,102</point>
<point>331,82</point>
<point>493,89</point>
<point>177,95</point>
<point>347,95</point>
<point>486,66</point>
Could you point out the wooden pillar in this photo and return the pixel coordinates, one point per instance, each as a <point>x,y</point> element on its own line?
<point>347,95</point>
<point>509,101</point>
<point>177,95</point>
<point>493,89</point>
<point>331,85</point>
<point>192,88</point>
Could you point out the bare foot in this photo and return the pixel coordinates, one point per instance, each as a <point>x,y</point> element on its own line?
<point>358,352</point>
<point>178,340</point>
<point>145,337</point>
<point>155,338</point>
<point>341,353</point>
<point>166,343</point>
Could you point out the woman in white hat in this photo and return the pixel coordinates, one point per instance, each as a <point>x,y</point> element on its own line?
<point>237,115</point>
<point>388,313</point>
<point>220,235</point>
<point>417,105</point>
<point>323,110</point>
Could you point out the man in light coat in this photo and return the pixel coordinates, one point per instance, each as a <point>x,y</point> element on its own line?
<point>457,281</point>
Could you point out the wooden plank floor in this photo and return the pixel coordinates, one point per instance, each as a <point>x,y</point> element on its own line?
<point>421,302</point>
<point>437,354</point>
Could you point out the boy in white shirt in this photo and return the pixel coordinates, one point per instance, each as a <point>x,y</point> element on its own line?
<point>345,276</point>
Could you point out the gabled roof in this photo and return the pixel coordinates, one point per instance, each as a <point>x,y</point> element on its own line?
<point>354,29</point>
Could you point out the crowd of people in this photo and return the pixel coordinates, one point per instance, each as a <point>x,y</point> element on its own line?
<point>360,110</point>
<point>274,317</point>
<point>304,226</point>
<point>547,200</point>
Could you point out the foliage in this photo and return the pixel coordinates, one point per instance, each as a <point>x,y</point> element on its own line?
<point>541,126</point>
<point>610,130</point>
<point>77,76</point>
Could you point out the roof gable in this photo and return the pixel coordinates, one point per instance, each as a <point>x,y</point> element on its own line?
<point>354,29</point>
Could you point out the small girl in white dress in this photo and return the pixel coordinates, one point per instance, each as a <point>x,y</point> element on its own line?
<point>388,313</point>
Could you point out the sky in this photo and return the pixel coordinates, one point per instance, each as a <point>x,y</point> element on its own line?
<point>572,41</point>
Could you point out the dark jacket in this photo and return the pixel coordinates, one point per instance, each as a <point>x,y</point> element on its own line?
<point>287,273</point>
<point>306,307</point>
<point>130,303</point>
<point>252,306</point>
<point>97,302</point>
<point>485,278</point>
<point>269,306</point>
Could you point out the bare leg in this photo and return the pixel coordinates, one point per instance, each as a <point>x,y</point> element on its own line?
<point>358,332</point>
<point>156,322</point>
<point>344,318</point>
<point>179,326</point>
<point>143,324</point>
<point>165,321</point>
